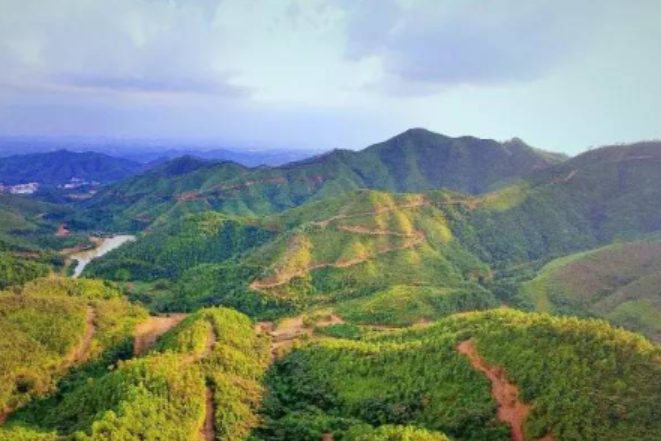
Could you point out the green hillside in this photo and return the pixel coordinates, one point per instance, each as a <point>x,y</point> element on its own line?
<point>363,243</point>
<point>323,253</point>
<point>415,161</point>
<point>169,251</point>
<point>200,382</point>
<point>53,325</point>
<point>619,282</point>
<point>395,259</point>
<point>594,199</point>
<point>29,243</point>
<point>577,381</point>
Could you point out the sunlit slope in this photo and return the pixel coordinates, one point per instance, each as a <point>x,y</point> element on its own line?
<point>201,381</point>
<point>577,380</point>
<point>359,244</point>
<point>53,325</point>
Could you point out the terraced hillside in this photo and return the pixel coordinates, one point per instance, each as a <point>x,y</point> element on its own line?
<point>619,282</point>
<point>355,246</point>
<point>415,161</point>
<point>360,244</point>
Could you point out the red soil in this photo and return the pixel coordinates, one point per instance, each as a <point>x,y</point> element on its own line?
<point>511,409</point>
<point>62,231</point>
<point>207,431</point>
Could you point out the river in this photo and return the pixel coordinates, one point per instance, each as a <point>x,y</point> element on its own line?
<point>83,258</point>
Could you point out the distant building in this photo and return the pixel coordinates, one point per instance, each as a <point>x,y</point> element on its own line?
<point>29,188</point>
<point>77,183</point>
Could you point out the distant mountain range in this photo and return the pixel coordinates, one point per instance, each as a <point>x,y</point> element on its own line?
<point>415,161</point>
<point>62,166</point>
<point>150,151</point>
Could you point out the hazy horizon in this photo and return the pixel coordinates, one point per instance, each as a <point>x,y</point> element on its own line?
<point>325,74</point>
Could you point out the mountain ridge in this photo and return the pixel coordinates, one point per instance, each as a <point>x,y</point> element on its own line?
<point>415,161</point>
<point>61,166</point>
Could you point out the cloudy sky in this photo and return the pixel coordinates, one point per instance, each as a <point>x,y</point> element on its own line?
<point>316,74</point>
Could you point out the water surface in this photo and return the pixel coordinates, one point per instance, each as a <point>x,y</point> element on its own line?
<point>83,258</point>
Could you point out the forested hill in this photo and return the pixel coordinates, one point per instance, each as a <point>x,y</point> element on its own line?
<point>414,161</point>
<point>592,200</point>
<point>59,167</point>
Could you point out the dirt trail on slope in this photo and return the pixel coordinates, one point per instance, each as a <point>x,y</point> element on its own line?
<point>148,332</point>
<point>511,409</point>
<point>567,178</point>
<point>414,204</point>
<point>415,238</point>
<point>82,352</point>
<point>292,329</point>
<point>208,347</point>
<point>78,355</point>
<point>207,431</point>
<point>4,415</point>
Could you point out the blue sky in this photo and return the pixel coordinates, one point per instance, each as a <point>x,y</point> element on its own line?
<point>319,74</point>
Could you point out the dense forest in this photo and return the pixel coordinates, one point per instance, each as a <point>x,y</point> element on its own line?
<point>564,367</point>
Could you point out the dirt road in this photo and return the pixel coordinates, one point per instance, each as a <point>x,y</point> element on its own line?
<point>511,409</point>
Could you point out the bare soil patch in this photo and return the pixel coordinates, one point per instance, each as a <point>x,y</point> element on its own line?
<point>148,332</point>
<point>207,431</point>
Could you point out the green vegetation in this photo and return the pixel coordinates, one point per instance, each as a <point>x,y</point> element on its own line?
<point>317,241</point>
<point>584,380</point>
<point>15,271</point>
<point>28,244</point>
<point>619,282</point>
<point>351,247</point>
<point>595,199</point>
<point>348,331</point>
<point>47,329</point>
<point>415,161</point>
<point>163,395</point>
<point>392,433</point>
<point>169,251</point>
<point>406,305</point>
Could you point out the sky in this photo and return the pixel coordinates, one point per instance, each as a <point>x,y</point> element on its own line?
<point>319,74</point>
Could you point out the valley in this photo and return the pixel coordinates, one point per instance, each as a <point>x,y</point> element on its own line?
<point>102,247</point>
<point>342,298</point>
